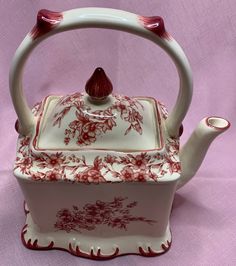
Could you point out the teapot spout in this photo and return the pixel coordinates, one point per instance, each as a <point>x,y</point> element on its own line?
<point>194,151</point>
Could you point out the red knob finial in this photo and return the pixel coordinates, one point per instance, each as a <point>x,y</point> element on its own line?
<point>99,85</point>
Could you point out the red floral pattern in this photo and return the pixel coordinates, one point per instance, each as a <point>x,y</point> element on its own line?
<point>164,110</point>
<point>110,166</point>
<point>115,214</point>
<point>37,108</point>
<point>140,167</point>
<point>90,124</point>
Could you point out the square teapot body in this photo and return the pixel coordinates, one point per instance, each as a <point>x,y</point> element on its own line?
<point>98,175</point>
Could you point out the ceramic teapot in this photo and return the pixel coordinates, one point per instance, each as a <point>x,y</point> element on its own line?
<point>99,170</point>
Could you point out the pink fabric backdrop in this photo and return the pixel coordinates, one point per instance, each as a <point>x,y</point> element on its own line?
<point>203,218</point>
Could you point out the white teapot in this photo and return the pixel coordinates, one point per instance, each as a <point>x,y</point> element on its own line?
<point>99,170</point>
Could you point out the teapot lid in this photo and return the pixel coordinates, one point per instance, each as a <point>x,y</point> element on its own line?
<point>98,120</point>
<point>98,137</point>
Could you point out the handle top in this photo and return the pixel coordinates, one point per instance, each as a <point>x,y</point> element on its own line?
<point>46,21</point>
<point>151,28</point>
<point>156,25</point>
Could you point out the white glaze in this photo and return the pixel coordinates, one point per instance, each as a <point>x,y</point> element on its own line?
<point>132,173</point>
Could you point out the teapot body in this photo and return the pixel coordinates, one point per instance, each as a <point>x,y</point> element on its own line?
<point>99,221</point>
<point>93,201</point>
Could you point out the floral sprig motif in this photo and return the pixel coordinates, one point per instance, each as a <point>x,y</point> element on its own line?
<point>114,214</point>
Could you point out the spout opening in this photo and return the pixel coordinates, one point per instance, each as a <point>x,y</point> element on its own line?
<point>218,123</point>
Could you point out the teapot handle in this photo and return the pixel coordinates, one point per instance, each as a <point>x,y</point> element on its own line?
<point>151,28</point>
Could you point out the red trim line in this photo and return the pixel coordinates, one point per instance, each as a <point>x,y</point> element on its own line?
<point>98,256</point>
<point>39,118</point>
<point>152,253</point>
<point>35,245</point>
<point>166,247</point>
<point>215,127</point>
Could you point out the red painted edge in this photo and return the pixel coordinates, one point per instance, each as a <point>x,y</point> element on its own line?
<point>46,21</point>
<point>39,118</point>
<point>35,245</point>
<point>98,256</point>
<point>156,25</point>
<point>217,128</point>
<point>166,247</point>
<point>92,256</point>
<point>152,253</point>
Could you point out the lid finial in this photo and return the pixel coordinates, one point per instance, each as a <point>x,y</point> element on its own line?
<point>99,85</point>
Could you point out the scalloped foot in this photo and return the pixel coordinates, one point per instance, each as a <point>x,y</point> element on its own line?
<point>79,245</point>
<point>152,253</point>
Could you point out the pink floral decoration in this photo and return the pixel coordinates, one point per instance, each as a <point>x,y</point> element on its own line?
<point>113,214</point>
<point>119,167</point>
<point>90,124</point>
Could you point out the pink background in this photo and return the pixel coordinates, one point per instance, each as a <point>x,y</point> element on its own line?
<point>203,218</point>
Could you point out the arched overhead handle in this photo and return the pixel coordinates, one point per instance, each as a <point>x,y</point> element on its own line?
<point>151,28</point>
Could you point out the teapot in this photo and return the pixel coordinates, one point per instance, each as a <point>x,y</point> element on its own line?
<point>99,170</point>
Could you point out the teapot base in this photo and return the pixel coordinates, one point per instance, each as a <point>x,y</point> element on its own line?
<point>98,249</point>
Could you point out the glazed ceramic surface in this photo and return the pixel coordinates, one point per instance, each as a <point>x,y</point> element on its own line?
<point>99,170</point>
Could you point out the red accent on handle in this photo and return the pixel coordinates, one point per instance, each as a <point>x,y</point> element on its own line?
<point>99,85</point>
<point>156,25</point>
<point>46,21</point>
